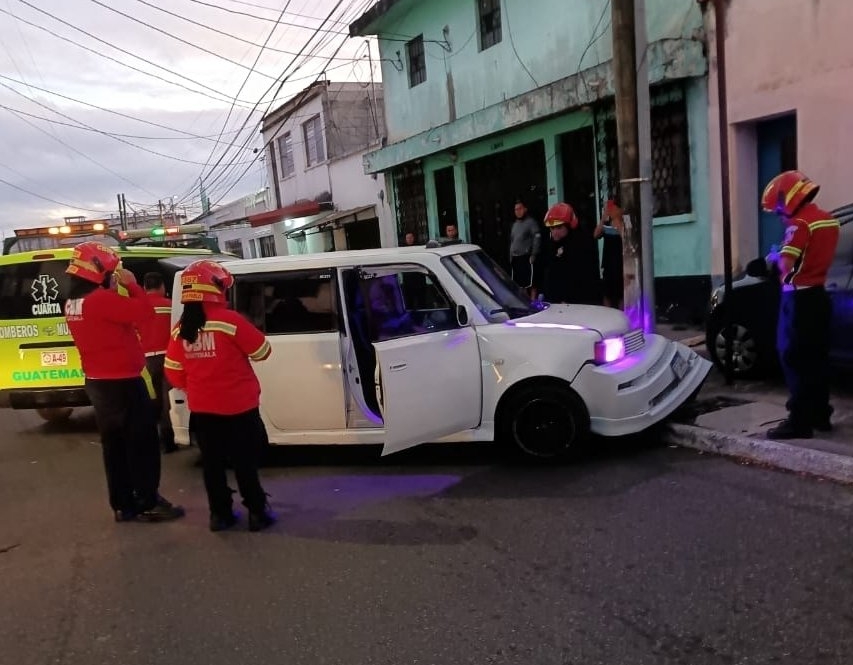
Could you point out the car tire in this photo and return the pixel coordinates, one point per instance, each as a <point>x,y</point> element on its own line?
<point>55,414</point>
<point>543,422</point>
<point>750,360</point>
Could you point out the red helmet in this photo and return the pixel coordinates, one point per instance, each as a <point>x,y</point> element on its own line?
<point>560,214</point>
<point>92,261</point>
<point>787,193</point>
<point>205,281</point>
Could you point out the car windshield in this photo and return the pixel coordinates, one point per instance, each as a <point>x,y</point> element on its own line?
<point>495,294</point>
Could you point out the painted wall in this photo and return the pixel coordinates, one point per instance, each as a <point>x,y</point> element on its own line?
<point>538,47</point>
<point>767,75</point>
<point>353,188</point>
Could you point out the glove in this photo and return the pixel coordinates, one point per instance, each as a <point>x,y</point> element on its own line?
<point>772,258</point>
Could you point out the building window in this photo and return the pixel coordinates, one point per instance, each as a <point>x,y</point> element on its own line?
<point>417,61</point>
<point>490,22</point>
<point>289,303</point>
<point>313,131</point>
<point>285,150</point>
<point>234,247</point>
<point>670,152</point>
<point>267,246</point>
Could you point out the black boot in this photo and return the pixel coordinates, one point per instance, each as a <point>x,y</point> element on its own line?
<point>787,429</point>
<point>162,511</point>
<point>221,522</point>
<point>258,521</point>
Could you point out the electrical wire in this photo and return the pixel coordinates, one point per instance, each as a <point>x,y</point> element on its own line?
<point>514,50</point>
<point>283,81</point>
<point>275,9</point>
<point>242,85</point>
<point>222,98</point>
<point>223,32</point>
<point>266,18</point>
<point>99,131</point>
<point>180,39</point>
<point>45,198</point>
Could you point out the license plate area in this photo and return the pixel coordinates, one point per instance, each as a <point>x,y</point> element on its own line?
<point>54,358</point>
<point>680,366</point>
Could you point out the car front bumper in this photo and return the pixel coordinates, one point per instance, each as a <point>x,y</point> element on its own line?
<point>642,389</point>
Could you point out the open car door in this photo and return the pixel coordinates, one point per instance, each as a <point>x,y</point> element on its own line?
<point>431,386</point>
<point>428,370</point>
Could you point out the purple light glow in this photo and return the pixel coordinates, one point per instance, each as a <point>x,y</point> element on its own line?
<point>609,350</point>
<point>528,324</point>
<point>640,316</point>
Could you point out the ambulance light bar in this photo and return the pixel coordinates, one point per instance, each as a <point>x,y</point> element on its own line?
<point>161,231</point>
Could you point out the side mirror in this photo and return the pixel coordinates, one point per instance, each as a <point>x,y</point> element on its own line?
<point>757,268</point>
<point>461,315</point>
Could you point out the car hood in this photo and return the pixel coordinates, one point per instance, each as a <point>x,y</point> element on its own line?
<point>604,320</point>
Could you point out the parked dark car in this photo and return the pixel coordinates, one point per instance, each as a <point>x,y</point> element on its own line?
<point>754,306</point>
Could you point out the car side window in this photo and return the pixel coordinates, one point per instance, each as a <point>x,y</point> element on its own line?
<point>405,301</point>
<point>288,303</point>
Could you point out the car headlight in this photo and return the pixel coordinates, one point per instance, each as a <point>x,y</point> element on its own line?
<point>609,350</point>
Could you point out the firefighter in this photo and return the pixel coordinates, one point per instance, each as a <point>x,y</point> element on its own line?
<point>208,357</point>
<point>154,335</point>
<point>571,273</point>
<point>104,326</point>
<point>808,249</point>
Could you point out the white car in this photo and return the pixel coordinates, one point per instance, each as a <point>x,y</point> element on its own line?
<point>405,346</point>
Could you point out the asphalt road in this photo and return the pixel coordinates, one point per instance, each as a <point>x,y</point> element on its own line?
<point>641,554</point>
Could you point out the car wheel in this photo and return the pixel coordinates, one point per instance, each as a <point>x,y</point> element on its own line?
<point>749,360</point>
<point>54,415</point>
<point>544,422</point>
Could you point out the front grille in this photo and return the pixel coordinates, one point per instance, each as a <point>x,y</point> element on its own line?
<point>634,341</point>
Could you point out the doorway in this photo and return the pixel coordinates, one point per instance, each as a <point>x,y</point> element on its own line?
<point>494,185</point>
<point>776,140</point>
<point>578,151</point>
<point>445,196</point>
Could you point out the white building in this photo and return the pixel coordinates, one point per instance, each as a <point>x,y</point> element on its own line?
<point>321,199</point>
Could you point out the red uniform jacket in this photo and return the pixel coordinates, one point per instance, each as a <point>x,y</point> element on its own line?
<point>810,239</point>
<point>103,325</point>
<point>214,371</point>
<point>157,331</point>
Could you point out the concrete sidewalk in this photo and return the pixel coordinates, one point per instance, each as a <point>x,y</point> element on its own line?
<point>733,420</point>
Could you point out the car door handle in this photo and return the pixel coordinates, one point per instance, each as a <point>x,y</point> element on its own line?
<point>398,367</point>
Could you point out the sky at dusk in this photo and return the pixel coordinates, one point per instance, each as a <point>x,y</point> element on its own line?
<point>99,97</point>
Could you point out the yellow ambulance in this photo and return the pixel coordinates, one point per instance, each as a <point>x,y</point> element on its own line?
<point>39,365</point>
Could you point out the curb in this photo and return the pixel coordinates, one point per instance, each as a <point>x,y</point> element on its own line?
<point>831,466</point>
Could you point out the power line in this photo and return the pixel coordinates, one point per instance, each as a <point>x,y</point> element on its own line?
<point>80,152</point>
<point>100,131</point>
<point>179,39</point>
<point>284,79</point>
<point>45,198</point>
<point>223,97</point>
<point>267,18</point>
<point>242,85</point>
<point>275,9</point>
<point>223,32</point>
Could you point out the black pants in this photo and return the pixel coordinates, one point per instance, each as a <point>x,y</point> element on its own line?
<point>161,400</point>
<point>240,440</point>
<point>128,440</point>
<point>522,271</point>
<point>803,342</point>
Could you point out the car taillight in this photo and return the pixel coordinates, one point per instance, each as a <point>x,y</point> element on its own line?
<point>609,350</point>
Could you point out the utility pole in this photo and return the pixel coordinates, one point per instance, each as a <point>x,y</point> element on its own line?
<point>121,220</point>
<point>160,211</point>
<point>639,296</point>
<point>722,105</point>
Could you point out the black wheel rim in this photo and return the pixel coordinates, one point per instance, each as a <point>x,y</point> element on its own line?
<point>744,348</point>
<point>544,427</point>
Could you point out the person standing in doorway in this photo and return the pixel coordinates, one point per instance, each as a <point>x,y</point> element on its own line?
<point>451,235</point>
<point>808,249</point>
<point>525,243</point>
<point>570,276</point>
<point>154,335</point>
<point>409,239</point>
<point>208,358</point>
<point>104,326</point>
<point>610,229</point>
